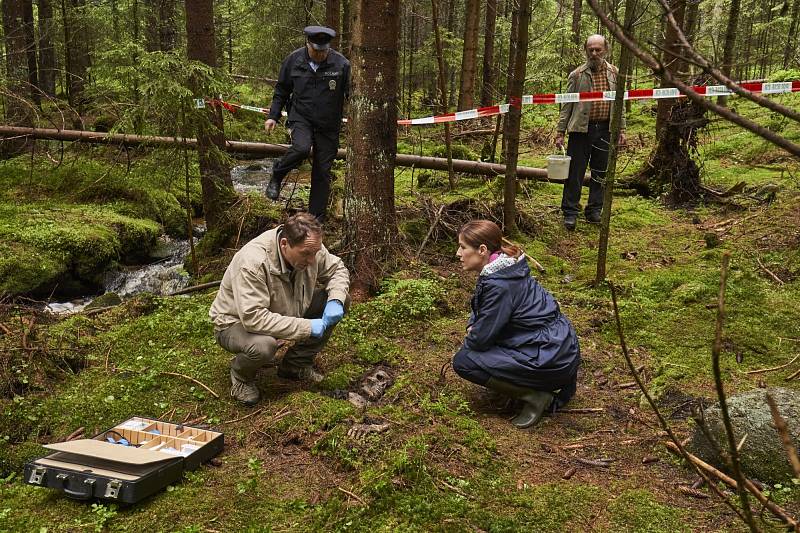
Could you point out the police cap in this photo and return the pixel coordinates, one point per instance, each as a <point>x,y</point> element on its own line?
<point>319,36</point>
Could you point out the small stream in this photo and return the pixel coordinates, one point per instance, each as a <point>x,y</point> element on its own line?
<point>165,274</point>
<point>252,176</point>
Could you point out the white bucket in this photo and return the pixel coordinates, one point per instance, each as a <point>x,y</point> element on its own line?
<point>558,167</point>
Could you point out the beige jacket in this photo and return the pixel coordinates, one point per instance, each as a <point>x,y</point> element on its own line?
<point>260,291</point>
<point>574,116</point>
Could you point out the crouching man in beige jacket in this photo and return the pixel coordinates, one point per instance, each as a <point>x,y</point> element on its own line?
<point>269,292</point>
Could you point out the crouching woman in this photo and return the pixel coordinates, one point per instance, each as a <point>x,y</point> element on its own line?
<point>518,343</point>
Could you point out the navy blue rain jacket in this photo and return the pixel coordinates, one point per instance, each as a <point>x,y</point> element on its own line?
<point>512,311</point>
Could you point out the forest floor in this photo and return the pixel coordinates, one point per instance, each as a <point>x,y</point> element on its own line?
<point>450,460</point>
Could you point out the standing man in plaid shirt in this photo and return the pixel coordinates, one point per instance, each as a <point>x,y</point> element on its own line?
<point>587,124</point>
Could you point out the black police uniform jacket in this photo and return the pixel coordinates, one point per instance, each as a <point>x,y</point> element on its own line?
<point>316,98</point>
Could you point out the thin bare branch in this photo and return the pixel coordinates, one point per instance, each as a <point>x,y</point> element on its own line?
<point>723,401</point>
<point>661,72</point>
<point>783,431</point>
<point>717,74</point>
<point>661,420</point>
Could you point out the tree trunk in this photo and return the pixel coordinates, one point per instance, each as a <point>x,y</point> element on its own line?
<point>489,68</point>
<point>17,110</point>
<point>333,12</point>
<point>443,93</point>
<point>215,177</point>
<point>730,44</point>
<point>161,32</point>
<point>47,54</point>
<point>412,46</point>
<point>577,11</point>
<point>369,208</point>
<point>671,169</point>
<point>518,56</point>
<point>625,63</point>
<point>76,55</point>
<point>466,93</point>
<point>30,51</point>
<point>791,38</point>
<point>674,65</point>
<point>345,38</point>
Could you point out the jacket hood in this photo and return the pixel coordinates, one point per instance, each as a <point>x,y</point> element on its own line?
<point>519,269</point>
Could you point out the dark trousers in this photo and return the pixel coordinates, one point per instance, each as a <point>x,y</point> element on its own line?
<point>254,350</point>
<point>586,148</point>
<point>563,383</point>
<point>325,144</point>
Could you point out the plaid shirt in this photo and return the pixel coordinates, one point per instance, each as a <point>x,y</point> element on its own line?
<point>600,111</point>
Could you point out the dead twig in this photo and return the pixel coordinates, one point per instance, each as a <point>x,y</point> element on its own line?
<point>602,463</point>
<point>75,434</point>
<point>195,288</point>
<point>430,231</point>
<point>194,421</point>
<point>536,263</point>
<point>723,401</point>
<point>778,280</point>
<point>783,431</point>
<point>569,473</point>
<point>214,394</point>
<point>693,493</point>
<point>254,413</point>
<point>762,370</point>
<point>98,310</point>
<point>710,470</point>
<point>351,494</point>
<point>582,410</point>
<point>734,221</point>
<point>108,354</point>
<point>792,376</point>
<point>661,420</point>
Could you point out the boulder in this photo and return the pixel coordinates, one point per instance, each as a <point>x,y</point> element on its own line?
<point>762,456</point>
<point>108,299</point>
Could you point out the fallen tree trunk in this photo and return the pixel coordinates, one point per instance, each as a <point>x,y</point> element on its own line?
<point>403,160</point>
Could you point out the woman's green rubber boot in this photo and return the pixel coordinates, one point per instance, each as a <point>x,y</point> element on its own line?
<point>534,402</point>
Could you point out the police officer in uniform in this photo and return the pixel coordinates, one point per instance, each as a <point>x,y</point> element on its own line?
<point>313,84</point>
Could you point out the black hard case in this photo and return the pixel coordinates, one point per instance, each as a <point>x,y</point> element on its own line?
<point>83,469</point>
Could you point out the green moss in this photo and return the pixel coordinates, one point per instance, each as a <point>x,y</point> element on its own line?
<point>342,377</point>
<point>80,240</point>
<point>639,511</point>
<point>14,457</point>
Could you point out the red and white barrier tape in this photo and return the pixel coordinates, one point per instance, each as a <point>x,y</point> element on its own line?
<point>599,96</point>
<point>780,87</point>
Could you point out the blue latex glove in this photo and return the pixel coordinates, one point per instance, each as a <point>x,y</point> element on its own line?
<point>317,327</point>
<point>334,312</point>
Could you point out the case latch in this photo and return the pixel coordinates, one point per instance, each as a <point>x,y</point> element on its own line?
<point>113,488</point>
<point>37,475</point>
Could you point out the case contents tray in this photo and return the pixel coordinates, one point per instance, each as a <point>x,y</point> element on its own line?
<point>126,463</point>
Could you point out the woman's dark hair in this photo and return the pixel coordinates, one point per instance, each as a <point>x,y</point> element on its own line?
<point>477,232</point>
<point>298,227</point>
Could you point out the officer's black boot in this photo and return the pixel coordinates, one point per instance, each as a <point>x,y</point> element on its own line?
<point>534,402</point>
<point>274,189</point>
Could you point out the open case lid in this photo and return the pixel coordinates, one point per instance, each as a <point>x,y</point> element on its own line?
<point>111,452</point>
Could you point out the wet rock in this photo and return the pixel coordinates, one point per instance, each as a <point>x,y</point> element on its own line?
<point>762,454</point>
<point>108,299</point>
